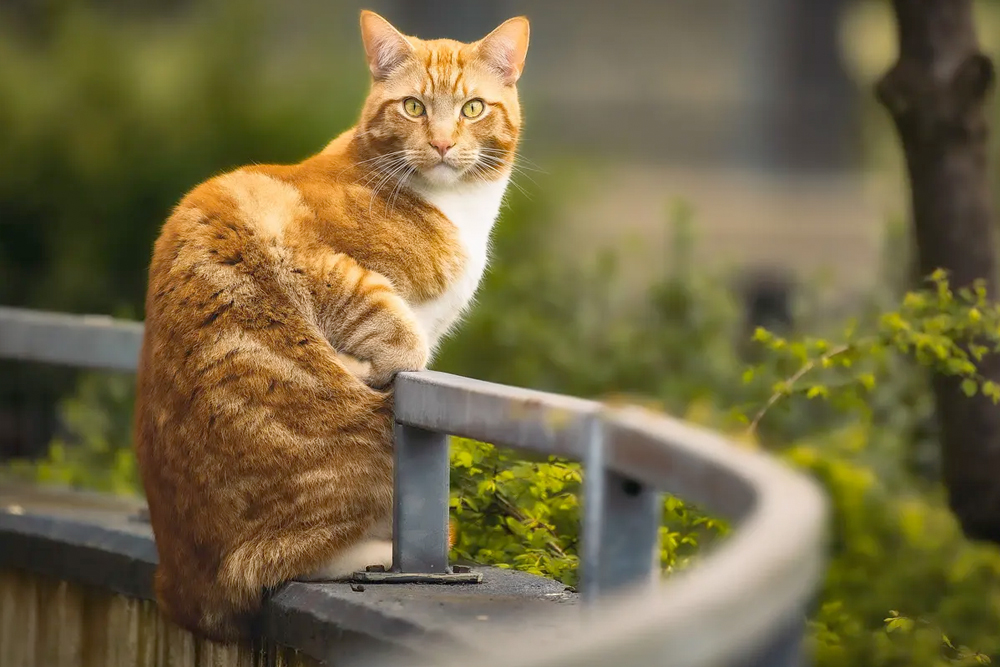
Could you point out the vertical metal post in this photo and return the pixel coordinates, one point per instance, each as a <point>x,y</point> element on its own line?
<point>420,501</point>
<point>621,526</point>
<point>629,553</point>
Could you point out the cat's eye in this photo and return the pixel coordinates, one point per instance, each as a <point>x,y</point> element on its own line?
<point>473,108</point>
<point>413,107</point>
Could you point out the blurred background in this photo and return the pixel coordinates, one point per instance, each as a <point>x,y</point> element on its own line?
<point>692,169</point>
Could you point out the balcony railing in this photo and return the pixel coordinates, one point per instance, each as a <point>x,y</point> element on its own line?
<point>743,603</point>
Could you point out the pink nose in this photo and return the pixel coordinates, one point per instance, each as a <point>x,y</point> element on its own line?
<point>442,146</point>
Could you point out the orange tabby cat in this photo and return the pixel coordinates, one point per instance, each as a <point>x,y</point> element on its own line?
<point>282,300</point>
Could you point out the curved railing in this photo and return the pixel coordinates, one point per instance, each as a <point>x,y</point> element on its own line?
<point>742,603</point>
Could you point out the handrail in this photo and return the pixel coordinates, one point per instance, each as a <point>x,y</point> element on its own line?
<point>743,603</point>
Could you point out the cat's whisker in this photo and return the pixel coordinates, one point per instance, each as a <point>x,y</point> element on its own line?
<point>382,170</point>
<point>377,160</point>
<point>495,170</point>
<point>399,187</point>
<point>382,160</point>
<point>383,182</point>
<point>403,151</point>
<point>517,160</point>
<point>498,167</point>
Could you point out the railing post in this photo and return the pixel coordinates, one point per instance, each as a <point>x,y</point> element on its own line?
<point>630,542</point>
<point>620,525</point>
<point>420,501</point>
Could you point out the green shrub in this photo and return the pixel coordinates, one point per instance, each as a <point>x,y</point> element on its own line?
<point>526,515</point>
<point>106,122</point>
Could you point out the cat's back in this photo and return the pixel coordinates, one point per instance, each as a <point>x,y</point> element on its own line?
<point>221,217</point>
<point>229,317</point>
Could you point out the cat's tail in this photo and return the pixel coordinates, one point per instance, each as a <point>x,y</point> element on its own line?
<point>223,603</point>
<point>224,616</point>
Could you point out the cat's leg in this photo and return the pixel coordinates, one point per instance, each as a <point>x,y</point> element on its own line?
<point>353,559</point>
<point>374,549</point>
<point>365,318</point>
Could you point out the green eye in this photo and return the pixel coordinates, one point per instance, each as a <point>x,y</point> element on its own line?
<point>413,107</point>
<point>473,108</point>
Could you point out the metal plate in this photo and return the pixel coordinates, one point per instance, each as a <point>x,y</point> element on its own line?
<point>417,578</point>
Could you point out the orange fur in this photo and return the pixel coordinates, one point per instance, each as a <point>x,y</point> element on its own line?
<point>280,305</point>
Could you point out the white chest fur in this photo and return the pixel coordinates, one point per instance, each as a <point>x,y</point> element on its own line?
<point>473,209</point>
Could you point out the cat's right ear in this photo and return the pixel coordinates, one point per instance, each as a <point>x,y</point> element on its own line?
<point>385,46</point>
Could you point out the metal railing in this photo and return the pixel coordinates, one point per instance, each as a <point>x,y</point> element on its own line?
<point>742,604</point>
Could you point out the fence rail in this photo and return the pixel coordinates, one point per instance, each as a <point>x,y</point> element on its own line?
<point>743,603</point>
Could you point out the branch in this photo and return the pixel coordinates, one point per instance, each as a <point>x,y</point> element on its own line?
<point>777,396</point>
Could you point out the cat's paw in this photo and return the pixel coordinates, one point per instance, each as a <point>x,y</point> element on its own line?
<point>399,360</point>
<point>357,367</point>
<point>353,559</point>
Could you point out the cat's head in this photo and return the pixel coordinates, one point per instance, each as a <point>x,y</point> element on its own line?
<point>441,110</point>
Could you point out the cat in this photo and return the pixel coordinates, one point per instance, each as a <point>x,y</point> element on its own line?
<point>283,299</point>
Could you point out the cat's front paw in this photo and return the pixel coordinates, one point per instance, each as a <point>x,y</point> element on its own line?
<point>413,358</point>
<point>357,367</point>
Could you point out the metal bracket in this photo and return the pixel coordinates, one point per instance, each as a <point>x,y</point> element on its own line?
<point>458,574</point>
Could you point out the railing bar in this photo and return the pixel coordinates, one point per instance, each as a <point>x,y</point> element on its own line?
<point>683,460</point>
<point>518,418</point>
<point>84,341</point>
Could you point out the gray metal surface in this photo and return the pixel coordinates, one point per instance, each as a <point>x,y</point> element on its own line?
<point>84,341</point>
<point>739,600</point>
<point>628,552</point>
<point>519,418</point>
<point>420,501</point>
<point>744,598</point>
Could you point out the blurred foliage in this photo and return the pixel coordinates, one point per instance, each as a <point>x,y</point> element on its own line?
<point>94,451</point>
<point>104,123</point>
<point>522,514</point>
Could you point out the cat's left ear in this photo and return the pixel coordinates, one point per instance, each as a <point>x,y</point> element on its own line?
<point>505,48</point>
<point>385,46</point>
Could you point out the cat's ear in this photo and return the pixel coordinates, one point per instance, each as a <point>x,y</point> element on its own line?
<point>385,46</point>
<point>504,49</point>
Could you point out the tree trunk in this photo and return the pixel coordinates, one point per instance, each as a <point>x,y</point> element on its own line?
<point>935,94</point>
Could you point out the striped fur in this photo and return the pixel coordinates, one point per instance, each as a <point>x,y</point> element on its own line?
<point>282,299</point>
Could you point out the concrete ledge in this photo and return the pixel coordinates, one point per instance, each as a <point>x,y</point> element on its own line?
<point>102,545</point>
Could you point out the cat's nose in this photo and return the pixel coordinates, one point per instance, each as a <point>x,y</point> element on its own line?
<point>442,146</point>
